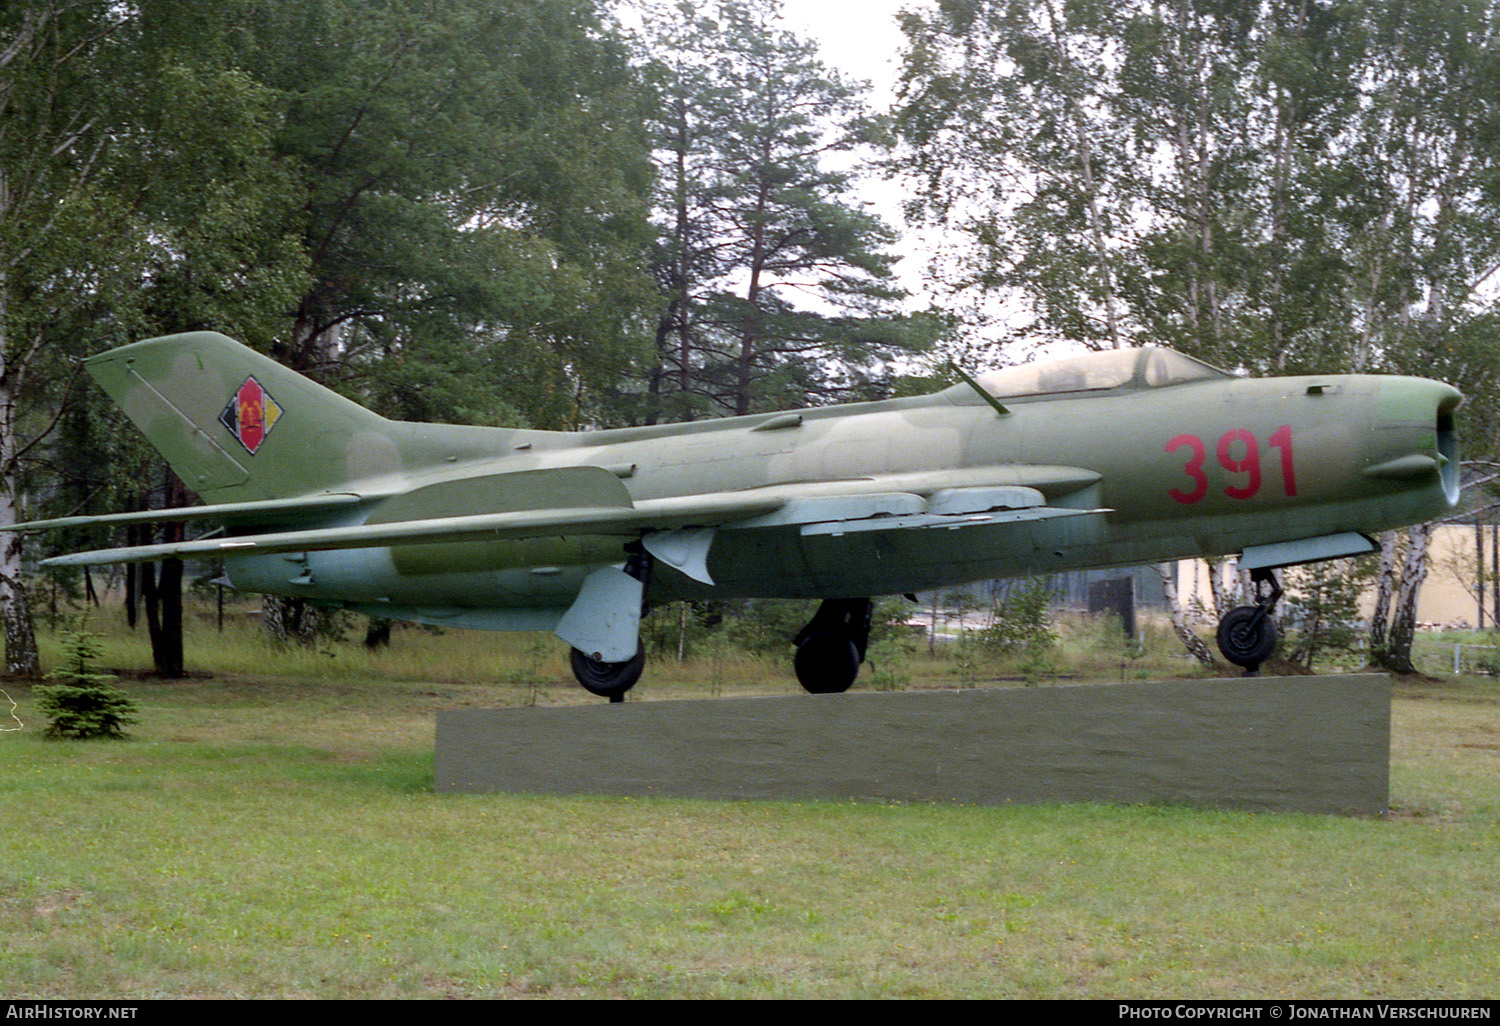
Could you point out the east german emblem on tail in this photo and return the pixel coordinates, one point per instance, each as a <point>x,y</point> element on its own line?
<point>250,414</point>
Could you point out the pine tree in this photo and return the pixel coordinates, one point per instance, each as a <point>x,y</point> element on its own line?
<point>777,286</point>
<point>84,704</point>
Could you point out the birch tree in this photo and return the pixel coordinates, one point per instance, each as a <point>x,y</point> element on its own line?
<point>1428,240</point>
<point>1004,110</point>
<point>1303,187</point>
<point>61,230</point>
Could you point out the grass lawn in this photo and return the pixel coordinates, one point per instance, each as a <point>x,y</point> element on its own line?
<point>270,830</point>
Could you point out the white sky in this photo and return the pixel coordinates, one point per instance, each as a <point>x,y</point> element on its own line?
<point>860,37</point>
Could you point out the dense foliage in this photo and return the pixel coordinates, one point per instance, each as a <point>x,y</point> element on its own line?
<point>1308,187</point>
<point>755,217</point>
<point>528,213</point>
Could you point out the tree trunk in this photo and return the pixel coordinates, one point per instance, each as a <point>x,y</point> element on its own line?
<point>21,658</point>
<point>132,577</point>
<point>1194,644</point>
<point>1479,575</point>
<point>1230,585</point>
<point>1397,654</point>
<point>148,599</point>
<point>162,590</point>
<point>162,597</point>
<point>166,639</point>
<point>290,620</point>
<point>378,633</point>
<point>1385,586</point>
<point>273,617</point>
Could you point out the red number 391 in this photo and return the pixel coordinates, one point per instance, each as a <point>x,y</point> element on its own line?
<point>1238,453</point>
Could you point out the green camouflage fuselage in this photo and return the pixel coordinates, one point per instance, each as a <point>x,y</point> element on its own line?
<point>1104,451</point>
<point>1108,459</point>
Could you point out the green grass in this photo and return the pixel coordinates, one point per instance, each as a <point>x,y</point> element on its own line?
<point>271,831</point>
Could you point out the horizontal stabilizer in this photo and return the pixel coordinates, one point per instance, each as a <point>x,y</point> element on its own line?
<point>264,509</point>
<point>656,514</point>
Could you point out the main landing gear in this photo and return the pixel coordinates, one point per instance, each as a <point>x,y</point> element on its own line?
<point>612,680</point>
<point>1247,634</point>
<point>831,647</point>
<point>608,680</point>
<point>830,650</point>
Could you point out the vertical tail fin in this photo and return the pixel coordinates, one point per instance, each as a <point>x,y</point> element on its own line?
<point>237,425</point>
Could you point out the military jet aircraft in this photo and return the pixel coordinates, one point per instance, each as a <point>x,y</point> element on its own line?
<point>1113,458</point>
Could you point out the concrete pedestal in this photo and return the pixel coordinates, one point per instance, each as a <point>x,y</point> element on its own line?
<point>1309,744</point>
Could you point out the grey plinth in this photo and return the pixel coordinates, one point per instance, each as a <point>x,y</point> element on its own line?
<point>1310,744</point>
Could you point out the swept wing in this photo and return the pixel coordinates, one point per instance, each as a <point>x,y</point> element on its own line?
<point>950,500</point>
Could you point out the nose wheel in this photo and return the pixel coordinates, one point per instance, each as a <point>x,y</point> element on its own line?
<point>1247,634</point>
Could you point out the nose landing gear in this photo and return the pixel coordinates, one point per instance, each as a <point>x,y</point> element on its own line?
<point>1247,635</point>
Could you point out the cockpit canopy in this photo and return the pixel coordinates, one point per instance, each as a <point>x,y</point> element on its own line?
<point>1093,372</point>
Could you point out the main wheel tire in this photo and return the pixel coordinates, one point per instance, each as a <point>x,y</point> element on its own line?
<point>826,663</point>
<point>1247,637</point>
<point>608,680</point>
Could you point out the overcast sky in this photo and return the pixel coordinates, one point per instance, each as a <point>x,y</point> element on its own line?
<point>857,36</point>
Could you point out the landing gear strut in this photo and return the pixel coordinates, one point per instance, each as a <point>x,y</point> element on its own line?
<point>612,680</point>
<point>1247,634</point>
<point>831,647</point>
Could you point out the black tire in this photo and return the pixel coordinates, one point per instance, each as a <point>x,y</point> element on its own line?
<point>1247,637</point>
<point>608,680</point>
<point>826,663</point>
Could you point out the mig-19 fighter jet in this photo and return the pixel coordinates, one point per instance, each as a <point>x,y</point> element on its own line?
<point>1112,458</point>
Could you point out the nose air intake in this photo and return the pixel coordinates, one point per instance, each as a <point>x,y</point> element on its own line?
<point>1418,419</point>
<point>1450,464</point>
